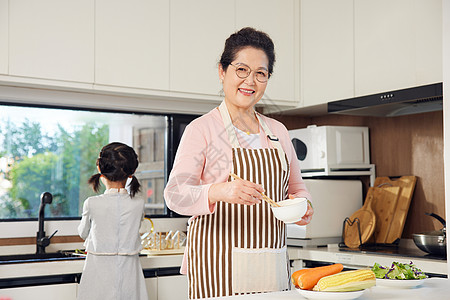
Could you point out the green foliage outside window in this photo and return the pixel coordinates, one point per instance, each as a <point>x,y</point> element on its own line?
<point>59,162</point>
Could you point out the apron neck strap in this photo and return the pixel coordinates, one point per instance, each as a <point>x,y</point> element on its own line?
<point>274,141</point>
<point>232,137</point>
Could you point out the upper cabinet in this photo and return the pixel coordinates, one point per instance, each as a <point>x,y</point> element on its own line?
<point>352,48</point>
<point>428,41</point>
<point>398,44</point>
<point>4,36</point>
<point>162,52</point>
<point>195,48</point>
<point>278,20</point>
<point>52,39</point>
<point>197,37</point>
<point>327,51</point>
<point>132,43</point>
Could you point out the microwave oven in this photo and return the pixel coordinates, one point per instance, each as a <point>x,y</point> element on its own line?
<point>325,149</point>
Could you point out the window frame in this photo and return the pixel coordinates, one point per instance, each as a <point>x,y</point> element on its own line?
<point>167,142</point>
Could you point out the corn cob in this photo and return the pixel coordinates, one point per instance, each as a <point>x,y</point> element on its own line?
<point>346,281</point>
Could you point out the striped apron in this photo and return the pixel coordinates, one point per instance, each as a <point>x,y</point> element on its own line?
<point>241,249</point>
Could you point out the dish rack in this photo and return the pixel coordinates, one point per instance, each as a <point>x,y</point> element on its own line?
<point>364,246</point>
<point>158,241</point>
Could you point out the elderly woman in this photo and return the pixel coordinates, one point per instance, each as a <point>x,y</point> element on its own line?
<point>235,244</point>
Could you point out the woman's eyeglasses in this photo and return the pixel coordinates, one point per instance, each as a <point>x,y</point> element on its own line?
<point>243,71</point>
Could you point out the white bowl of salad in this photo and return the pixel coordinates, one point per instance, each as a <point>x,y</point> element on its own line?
<point>399,275</point>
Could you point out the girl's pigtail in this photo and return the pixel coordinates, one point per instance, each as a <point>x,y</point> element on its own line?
<point>135,186</point>
<point>95,182</point>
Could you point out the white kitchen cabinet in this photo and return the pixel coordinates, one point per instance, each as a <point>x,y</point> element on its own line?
<point>173,287</point>
<point>278,20</point>
<point>197,37</point>
<point>52,39</point>
<point>446,112</point>
<point>327,56</point>
<point>48,292</point>
<point>4,36</point>
<point>398,44</point>
<point>132,43</point>
<point>152,288</point>
<point>428,41</point>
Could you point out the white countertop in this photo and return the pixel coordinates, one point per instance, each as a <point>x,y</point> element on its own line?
<point>76,266</point>
<point>363,259</point>
<point>437,288</point>
<point>325,254</point>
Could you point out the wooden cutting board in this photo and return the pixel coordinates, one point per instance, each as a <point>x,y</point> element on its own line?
<point>407,185</point>
<point>384,203</point>
<point>367,221</point>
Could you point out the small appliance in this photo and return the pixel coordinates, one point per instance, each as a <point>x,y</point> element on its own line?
<point>333,150</point>
<point>333,200</point>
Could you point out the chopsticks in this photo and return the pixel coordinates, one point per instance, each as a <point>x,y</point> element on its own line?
<point>267,199</point>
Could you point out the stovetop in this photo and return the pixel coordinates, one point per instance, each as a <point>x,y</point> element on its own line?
<point>393,250</point>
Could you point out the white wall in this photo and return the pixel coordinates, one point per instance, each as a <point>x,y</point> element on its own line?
<point>446,76</point>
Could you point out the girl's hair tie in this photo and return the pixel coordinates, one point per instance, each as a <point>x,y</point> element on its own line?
<point>118,161</point>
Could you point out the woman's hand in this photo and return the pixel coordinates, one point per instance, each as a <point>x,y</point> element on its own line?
<point>237,191</point>
<point>307,217</point>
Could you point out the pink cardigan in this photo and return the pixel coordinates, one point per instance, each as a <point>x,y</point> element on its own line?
<point>204,157</point>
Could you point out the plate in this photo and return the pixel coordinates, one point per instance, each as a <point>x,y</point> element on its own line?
<point>399,283</point>
<point>313,295</point>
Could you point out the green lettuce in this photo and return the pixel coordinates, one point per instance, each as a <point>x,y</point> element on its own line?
<point>398,271</point>
<point>379,270</point>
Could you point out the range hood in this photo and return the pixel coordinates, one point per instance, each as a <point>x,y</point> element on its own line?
<point>408,101</point>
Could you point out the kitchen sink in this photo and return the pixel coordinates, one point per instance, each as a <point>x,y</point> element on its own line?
<point>34,257</point>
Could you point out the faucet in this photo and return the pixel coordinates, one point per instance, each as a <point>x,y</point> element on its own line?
<point>43,241</point>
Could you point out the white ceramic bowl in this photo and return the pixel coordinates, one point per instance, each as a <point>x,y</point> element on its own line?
<point>290,210</point>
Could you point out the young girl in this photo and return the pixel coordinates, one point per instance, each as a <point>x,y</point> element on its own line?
<point>110,225</point>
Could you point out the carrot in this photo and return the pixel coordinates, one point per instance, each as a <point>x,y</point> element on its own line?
<point>295,275</point>
<point>308,279</point>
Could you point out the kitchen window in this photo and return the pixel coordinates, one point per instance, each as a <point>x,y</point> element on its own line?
<point>55,149</point>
